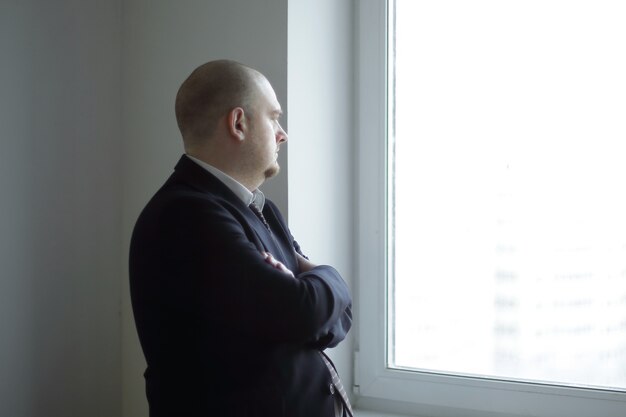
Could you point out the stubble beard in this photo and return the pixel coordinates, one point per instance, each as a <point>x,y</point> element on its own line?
<point>272,171</point>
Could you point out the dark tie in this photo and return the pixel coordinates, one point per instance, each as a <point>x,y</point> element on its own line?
<point>337,384</point>
<point>259,214</point>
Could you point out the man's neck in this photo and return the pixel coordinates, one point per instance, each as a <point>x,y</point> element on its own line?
<point>247,197</point>
<point>223,163</point>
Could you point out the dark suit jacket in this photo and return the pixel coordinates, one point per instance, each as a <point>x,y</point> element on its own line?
<point>223,332</point>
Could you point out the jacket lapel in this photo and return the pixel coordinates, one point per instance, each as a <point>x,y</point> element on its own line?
<point>199,178</point>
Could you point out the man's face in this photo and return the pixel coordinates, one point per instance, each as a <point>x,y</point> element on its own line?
<point>266,134</point>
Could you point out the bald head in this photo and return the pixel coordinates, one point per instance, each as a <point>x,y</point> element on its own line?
<point>209,93</point>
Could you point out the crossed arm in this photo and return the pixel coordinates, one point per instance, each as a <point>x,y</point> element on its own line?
<point>342,325</point>
<point>220,274</point>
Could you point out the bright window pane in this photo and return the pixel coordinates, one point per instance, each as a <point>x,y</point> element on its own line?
<point>508,202</point>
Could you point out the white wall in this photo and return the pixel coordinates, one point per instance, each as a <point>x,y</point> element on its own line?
<point>321,139</point>
<point>60,210</point>
<point>88,134</point>
<point>163,42</point>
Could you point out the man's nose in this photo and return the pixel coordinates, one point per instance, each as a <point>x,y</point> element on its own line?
<point>282,136</point>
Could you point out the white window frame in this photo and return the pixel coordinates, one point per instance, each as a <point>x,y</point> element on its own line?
<point>422,393</point>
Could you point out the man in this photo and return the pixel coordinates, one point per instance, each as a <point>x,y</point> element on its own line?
<point>231,316</point>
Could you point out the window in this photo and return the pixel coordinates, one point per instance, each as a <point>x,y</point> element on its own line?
<point>493,209</point>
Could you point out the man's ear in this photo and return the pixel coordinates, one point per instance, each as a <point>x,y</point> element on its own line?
<point>237,123</point>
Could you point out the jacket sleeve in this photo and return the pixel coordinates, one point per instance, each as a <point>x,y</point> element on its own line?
<point>338,330</point>
<point>221,277</point>
<point>335,331</point>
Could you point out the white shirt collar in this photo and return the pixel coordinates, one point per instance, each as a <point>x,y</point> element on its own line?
<point>248,197</point>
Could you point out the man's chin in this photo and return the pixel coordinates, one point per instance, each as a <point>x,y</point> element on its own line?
<point>272,171</point>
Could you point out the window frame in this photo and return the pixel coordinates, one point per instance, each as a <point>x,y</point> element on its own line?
<point>411,392</point>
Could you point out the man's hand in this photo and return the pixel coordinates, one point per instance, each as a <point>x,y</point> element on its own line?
<point>276,264</point>
<point>304,264</point>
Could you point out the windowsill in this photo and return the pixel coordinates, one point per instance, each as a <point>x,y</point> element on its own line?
<point>366,413</point>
